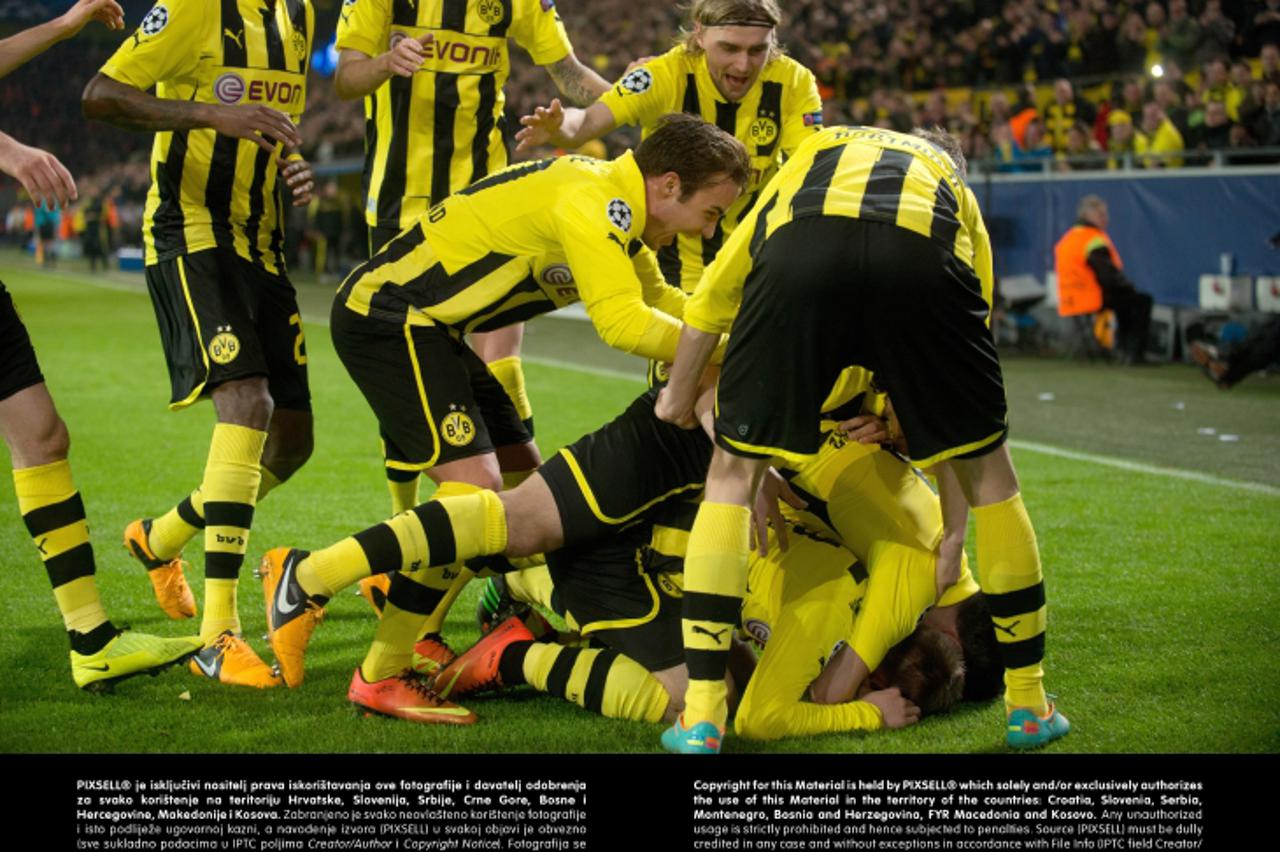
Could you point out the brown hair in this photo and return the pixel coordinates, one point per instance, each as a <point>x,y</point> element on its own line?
<point>946,143</point>
<point>927,668</point>
<point>731,13</point>
<point>701,154</point>
<point>983,665</point>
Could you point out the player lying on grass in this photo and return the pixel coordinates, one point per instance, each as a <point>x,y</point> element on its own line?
<point>38,441</point>
<point>804,604</point>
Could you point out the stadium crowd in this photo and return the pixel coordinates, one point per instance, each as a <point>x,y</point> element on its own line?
<point>986,70</point>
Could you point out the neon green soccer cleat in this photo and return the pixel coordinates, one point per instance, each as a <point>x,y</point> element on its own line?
<point>130,654</point>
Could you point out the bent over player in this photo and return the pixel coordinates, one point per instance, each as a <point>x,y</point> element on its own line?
<point>867,248</point>
<point>519,243</point>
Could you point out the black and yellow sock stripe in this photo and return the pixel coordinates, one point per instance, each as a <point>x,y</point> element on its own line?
<point>55,519</point>
<point>600,680</point>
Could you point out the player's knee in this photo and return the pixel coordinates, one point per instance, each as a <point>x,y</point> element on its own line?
<point>244,402</point>
<point>49,443</point>
<point>288,449</point>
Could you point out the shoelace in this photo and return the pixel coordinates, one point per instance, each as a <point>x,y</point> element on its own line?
<point>418,684</point>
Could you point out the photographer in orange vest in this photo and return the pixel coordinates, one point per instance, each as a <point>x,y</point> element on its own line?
<point>1091,279</point>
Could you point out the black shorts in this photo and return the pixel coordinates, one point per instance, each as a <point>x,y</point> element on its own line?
<point>620,594</point>
<point>435,400</point>
<point>222,318</point>
<point>827,292</point>
<point>19,368</point>
<point>609,479</point>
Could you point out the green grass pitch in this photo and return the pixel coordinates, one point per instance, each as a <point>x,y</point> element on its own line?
<point>1161,568</point>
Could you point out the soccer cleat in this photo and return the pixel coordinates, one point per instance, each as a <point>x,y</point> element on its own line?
<point>167,580</point>
<point>1210,360</point>
<point>129,654</point>
<point>1027,730</point>
<point>702,738</point>
<point>496,605</point>
<point>476,670</point>
<point>292,614</point>
<point>406,696</point>
<point>374,589</point>
<point>431,653</point>
<point>230,660</point>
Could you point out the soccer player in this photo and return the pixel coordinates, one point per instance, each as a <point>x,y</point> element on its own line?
<point>729,69</point>
<point>803,603</point>
<point>516,244</point>
<point>432,75</point>
<point>51,507</point>
<point>230,84</point>
<point>866,248</point>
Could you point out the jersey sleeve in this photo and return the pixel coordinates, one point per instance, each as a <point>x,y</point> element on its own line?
<point>645,93</point>
<point>538,29</point>
<point>804,117</point>
<point>982,261</point>
<point>166,45</point>
<point>600,253</point>
<point>364,25</point>
<point>716,299</point>
<point>901,588</point>
<point>657,292</point>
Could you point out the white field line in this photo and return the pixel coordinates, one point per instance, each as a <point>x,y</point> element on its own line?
<point>1030,446</point>
<point>1141,467</point>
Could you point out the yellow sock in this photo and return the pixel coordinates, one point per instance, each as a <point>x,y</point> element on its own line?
<point>715,581</point>
<point>1009,570</point>
<point>404,491</point>
<point>410,600</point>
<point>602,681</point>
<point>171,531</point>
<point>54,514</point>
<point>232,478</point>
<point>270,482</point>
<point>531,585</point>
<point>435,622</point>
<point>509,372</point>
<point>329,571</point>
<point>220,609</point>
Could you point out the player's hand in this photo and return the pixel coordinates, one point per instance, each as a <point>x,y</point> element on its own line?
<point>896,711</point>
<point>301,181</point>
<point>636,63</point>
<point>541,128</point>
<point>947,570</point>
<point>108,12</point>
<point>766,512</point>
<point>406,58</point>
<point>259,124</point>
<point>45,179</point>
<point>865,429</point>
<point>678,412</point>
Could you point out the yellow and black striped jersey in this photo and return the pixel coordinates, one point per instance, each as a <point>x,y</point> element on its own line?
<point>207,189</point>
<point>858,172</point>
<point>440,130</point>
<point>523,242</point>
<point>779,112</point>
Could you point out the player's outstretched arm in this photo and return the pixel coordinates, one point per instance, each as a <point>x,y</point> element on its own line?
<point>563,128</point>
<point>360,74</point>
<point>45,179</point>
<point>124,106</point>
<point>578,83</point>
<point>16,50</point>
<point>676,401</point>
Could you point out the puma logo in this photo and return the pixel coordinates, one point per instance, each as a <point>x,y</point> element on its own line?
<point>698,628</point>
<point>40,546</point>
<point>1007,630</point>
<point>236,37</point>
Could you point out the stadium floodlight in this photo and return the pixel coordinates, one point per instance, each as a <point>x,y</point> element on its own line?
<point>1157,70</point>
